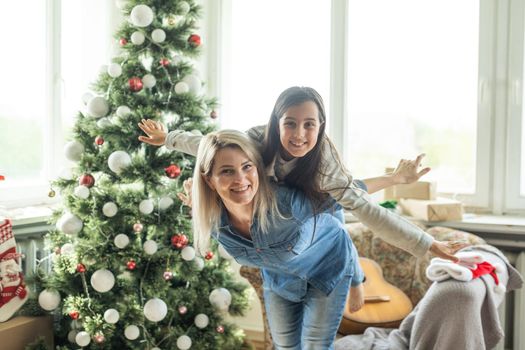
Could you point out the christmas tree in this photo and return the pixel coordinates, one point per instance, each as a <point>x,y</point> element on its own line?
<point>125,275</point>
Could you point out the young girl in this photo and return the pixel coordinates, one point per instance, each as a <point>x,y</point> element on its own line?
<point>305,255</point>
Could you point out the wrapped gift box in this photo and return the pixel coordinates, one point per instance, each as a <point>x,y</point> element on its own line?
<point>21,331</point>
<point>441,209</point>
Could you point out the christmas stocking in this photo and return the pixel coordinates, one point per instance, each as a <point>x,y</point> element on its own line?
<point>13,292</point>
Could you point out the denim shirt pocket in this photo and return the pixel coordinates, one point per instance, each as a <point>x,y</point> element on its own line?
<point>289,249</point>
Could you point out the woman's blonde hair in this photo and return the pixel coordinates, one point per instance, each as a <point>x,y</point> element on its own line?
<point>207,205</point>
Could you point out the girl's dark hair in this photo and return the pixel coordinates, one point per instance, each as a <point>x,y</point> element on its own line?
<point>306,173</point>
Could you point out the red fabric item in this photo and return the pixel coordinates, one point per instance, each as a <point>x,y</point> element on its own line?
<point>485,268</point>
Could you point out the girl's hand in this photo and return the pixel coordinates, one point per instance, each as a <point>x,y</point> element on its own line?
<point>446,250</point>
<point>155,130</point>
<point>185,196</point>
<point>407,170</point>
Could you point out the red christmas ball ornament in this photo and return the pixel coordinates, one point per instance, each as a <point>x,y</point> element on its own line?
<point>183,309</point>
<point>123,41</point>
<point>99,338</point>
<point>86,180</point>
<point>167,275</point>
<point>138,227</point>
<point>220,329</point>
<point>81,268</point>
<point>173,171</point>
<point>99,140</point>
<point>179,241</point>
<point>194,40</point>
<point>213,115</point>
<point>209,255</point>
<point>131,265</point>
<point>135,84</point>
<point>164,62</point>
<point>74,314</point>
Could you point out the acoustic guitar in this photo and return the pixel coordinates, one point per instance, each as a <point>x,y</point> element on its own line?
<point>385,305</point>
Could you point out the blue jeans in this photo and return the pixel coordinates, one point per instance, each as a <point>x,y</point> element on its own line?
<point>309,324</point>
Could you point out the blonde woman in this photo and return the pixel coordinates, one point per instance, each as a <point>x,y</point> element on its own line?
<point>306,257</point>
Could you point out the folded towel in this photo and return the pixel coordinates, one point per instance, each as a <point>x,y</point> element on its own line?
<point>441,269</point>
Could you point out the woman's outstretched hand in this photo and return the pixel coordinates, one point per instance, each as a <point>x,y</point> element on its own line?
<point>407,171</point>
<point>446,250</point>
<point>155,130</point>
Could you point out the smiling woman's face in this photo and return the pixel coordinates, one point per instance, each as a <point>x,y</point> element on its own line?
<point>234,177</point>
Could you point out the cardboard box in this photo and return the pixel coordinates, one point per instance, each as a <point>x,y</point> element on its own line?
<point>417,190</point>
<point>441,209</point>
<point>21,331</point>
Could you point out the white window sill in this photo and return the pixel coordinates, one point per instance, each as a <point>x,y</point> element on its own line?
<point>27,215</point>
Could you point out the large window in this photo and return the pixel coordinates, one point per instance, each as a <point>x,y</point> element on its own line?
<point>403,77</point>
<point>413,86</point>
<point>24,93</point>
<point>47,67</point>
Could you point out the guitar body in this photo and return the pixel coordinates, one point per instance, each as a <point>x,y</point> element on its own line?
<point>385,305</point>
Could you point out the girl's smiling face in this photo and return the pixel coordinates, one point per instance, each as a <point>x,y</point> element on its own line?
<point>299,130</point>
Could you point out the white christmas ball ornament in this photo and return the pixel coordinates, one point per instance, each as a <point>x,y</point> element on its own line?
<point>165,203</point>
<point>110,209</point>
<point>98,107</point>
<point>137,38</point>
<point>155,310</point>
<point>221,298</point>
<point>83,338</point>
<point>194,83</point>
<point>67,249</point>
<point>202,320</point>
<point>71,336</point>
<point>114,70</point>
<point>184,8</point>
<point>184,342</point>
<point>86,97</point>
<point>81,192</point>
<point>121,241</point>
<point>111,316</point>
<point>123,111</point>
<point>150,247</point>
<point>103,123</point>
<point>181,88</point>
<point>118,161</point>
<point>132,332</point>
<point>146,206</point>
<point>149,81</point>
<point>49,299</point>
<point>73,151</point>
<point>188,253</point>
<point>199,263</point>
<point>102,280</point>
<point>158,35</point>
<point>69,224</point>
<point>141,16</point>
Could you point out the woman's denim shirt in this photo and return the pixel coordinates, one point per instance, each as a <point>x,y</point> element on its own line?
<point>290,255</point>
